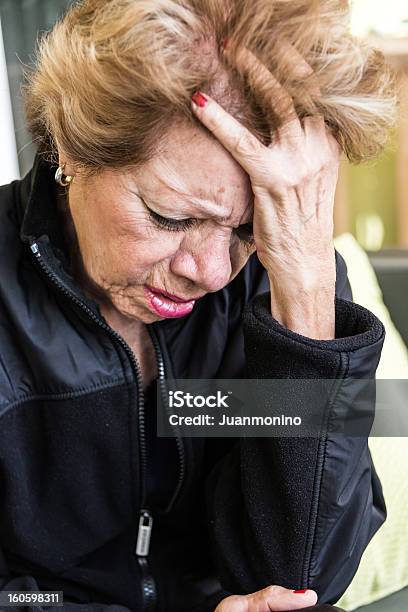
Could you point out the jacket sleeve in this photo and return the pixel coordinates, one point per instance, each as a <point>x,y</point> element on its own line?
<point>299,512</point>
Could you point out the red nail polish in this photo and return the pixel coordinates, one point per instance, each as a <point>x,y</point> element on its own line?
<point>300,591</point>
<point>199,99</point>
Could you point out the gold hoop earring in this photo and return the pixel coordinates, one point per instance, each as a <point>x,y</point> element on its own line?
<point>63,179</point>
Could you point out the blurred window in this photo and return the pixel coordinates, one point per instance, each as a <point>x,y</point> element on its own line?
<point>22,21</point>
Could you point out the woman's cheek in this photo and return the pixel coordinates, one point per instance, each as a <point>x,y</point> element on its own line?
<point>143,253</point>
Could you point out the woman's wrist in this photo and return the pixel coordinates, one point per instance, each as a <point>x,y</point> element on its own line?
<point>309,312</point>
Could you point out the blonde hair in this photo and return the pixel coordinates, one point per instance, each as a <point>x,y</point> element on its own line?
<point>112,77</point>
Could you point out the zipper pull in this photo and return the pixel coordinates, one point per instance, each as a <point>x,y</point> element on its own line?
<point>144,533</point>
<point>35,249</point>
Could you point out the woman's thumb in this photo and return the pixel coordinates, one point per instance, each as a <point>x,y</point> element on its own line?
<point>272,598</point>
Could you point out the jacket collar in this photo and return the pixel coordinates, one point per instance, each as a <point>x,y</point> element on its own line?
<point>39,201</point>
<point>42,217</point>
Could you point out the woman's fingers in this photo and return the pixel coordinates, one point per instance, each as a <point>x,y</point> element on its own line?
<point>279,599</point>
<point>249,152</point>
<point>271,599</point>
<point>301,70</point>
<point>299,67</point>
<point>277,103</point>
<point>238,140</point>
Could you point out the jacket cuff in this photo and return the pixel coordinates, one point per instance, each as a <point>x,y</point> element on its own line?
<point>273,351</point>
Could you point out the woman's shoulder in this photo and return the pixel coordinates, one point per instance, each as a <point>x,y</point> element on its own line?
<point>7,205</point>
<point>13,198</point>
<point>11,246</point>
<point>11,259</point>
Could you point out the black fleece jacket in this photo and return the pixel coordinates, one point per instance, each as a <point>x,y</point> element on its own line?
<point>243,513</point>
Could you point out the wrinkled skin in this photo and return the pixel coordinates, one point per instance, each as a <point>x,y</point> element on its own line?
<point>123,248</point>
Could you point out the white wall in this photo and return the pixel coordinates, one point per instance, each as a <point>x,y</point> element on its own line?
<point>386,17</point>
<point>8,150</point>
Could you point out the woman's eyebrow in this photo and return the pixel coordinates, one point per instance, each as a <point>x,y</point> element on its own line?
<point>177,203</point>
<point>159,207</point>
<point>206,208</point>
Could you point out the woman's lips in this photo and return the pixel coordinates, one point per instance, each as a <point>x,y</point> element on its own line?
<point>166,305</point>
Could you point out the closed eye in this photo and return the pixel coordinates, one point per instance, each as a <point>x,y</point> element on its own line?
<point>171,225</point>
<point>244,232</point>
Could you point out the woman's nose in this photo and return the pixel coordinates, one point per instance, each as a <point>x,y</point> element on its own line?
<point>205,261</point>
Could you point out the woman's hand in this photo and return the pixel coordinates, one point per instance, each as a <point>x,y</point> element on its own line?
<point>271,599</point>
<point>293,182</point>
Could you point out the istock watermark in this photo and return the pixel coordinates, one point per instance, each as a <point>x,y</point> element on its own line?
<point>179,399</point>
<point>209,408</point>
<point>282,408</point>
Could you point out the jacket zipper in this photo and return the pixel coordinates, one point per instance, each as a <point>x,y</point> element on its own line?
<point>164,397</point>
<point>145,517</point>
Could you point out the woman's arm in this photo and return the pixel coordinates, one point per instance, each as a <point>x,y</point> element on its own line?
<point>296,512</point>
<point>293,181</point>
<point>299,512</point>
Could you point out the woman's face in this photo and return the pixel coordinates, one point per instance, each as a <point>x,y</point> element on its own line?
<point>179,224</point>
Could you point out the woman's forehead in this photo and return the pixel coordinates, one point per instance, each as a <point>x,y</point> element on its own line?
<point>197,172</point>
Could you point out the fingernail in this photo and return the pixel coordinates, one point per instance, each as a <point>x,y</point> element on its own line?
<point>300,591</point>
<point>199,99</point>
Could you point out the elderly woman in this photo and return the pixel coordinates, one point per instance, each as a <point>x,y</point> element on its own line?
<point>178,223</point>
